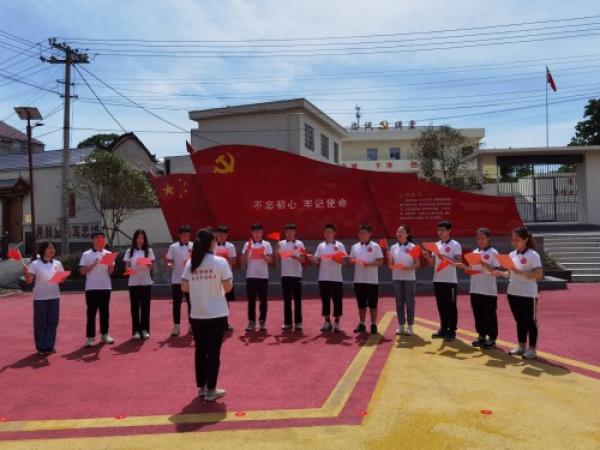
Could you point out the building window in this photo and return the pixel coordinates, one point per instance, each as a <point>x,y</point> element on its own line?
<point>72,206</point>
<point>309,137</point>
<point>395,153</point>
<point>372,154</point>
<point>324,146</point>
<point>336,152</point>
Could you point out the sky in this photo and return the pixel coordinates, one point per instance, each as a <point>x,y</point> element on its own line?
<point>462,63</point>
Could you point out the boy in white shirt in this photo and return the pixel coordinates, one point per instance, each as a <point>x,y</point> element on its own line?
<point>291,251</point>
<point>366,256</point>
<point>256,257</point>
<point>445,281</point>
<point>226,249</point>
<point>178,254</point>
<point>98,287</point>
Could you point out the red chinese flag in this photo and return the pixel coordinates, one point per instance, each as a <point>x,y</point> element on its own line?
<point>442,265</point>
<point>14,253</point>
<point>550,79</point>
<point>274,236</point>
<point>383,244</point>
<point>416,252</point>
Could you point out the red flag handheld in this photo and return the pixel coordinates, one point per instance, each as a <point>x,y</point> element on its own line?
<point>383,244</point>
<point>14,253</point>
<point>415,253</point>
<point>274,236</point>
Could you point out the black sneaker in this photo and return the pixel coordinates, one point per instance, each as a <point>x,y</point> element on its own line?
<point>489,344</point>
<point>450,337</point>
<point>479,342</point>
<point>361,328</point>
<point>439,334</point>
<point>373,328</point>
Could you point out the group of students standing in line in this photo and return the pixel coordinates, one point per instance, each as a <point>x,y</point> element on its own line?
<point>201,274</point>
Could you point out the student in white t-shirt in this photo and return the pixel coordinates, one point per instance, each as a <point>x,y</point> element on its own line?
<point>445,282</point>
<point>98,287</point>
<point>140,283</point>
<point>484,291</point>
<point>366,256</point>
<point>257,254</point>
<point>331,283</point>
<point>226,249</point>
<point>404,279</point>
<point>523,290</point>
<point>291,253</point>
<point>177,255</point>
<point>46,298</point>
<point>207,277</point>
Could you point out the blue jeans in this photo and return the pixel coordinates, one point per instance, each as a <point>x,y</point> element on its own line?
<point>405,298</point>
<point>45,322</point>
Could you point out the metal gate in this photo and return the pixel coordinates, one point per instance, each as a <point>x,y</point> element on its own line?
<point>544,192</point>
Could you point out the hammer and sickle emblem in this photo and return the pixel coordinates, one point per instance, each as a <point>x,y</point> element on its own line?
<point>224,163</point>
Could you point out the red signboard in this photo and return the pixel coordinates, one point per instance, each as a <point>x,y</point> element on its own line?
<point>237,185</point>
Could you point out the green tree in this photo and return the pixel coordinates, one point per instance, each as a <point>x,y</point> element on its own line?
<point>587,131</point>
<point>111,187</point>
<point>442,149</point>
<point>98,140</point>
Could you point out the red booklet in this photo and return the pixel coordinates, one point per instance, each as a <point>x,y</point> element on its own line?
<point>59,276</point>
<point>109,259</point>
<point>129,271</point>
<point>285,254</point>
<point>257,253</point>
<point>145,261</point>
<point>506,261</point>
<point>431,246</point>
<point>473,259</point>
<point>222,252</point>
<point>398,266</point>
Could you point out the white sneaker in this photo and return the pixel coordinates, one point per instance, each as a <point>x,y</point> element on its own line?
<point>326,326</point>
<point>213,394</point>
<point>176,331</point>
<point>137,335</point>
<point>145,334</point>
<point>286,326</point>
<point>517,351</point>
<point>262,325</point>
<point>106,339</point>
<point>298,326</point>
<point>409,331</point>
<point>529,353</point>
<point>89,342</point>
<point>251,326</point>
<point>336,327</point>
<point>202,391</point>
<point>401,330</point>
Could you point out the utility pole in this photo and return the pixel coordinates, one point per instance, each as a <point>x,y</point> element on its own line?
<point>72,56</point>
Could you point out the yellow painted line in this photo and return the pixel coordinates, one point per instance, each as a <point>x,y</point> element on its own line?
<point>332,407</point>
<point>549,356</point>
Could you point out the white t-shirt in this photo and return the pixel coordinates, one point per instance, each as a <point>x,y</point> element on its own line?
<point>369,253</point>
<point>329,270</point>
<point>258,268</point>
<point>179,254</point>
<point>227,249</point>
<point>518,284</point>
<point>207,297</point>
<point>484,283</point>
<point>401,255</point>
<point>98,278</point>
<point>142,271</point>
<point>42,290</point>
<point>291,267</point>
<point>451,249</point>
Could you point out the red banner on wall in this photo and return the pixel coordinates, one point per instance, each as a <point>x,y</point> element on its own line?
<point>237,185</point>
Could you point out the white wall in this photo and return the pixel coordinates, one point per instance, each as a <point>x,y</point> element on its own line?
<point>592,186</point>
<point>152,220</point>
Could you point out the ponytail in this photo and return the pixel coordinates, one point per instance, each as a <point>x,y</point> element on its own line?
<point>202,243</point>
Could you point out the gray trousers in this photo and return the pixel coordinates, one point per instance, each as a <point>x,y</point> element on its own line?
<point>405,298</point>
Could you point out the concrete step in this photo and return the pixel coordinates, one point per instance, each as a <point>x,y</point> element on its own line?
<point>585,278</point>
<point>580,265</point>
<point>583,270</point>
<point>574,259</point>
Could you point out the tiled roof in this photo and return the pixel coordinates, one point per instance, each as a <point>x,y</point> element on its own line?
<point>51,158</point>
<point>6,131</point>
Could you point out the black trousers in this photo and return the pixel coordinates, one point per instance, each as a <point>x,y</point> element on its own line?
<point>208,337</point>
<point>139,298</point>
<point>445,297</point>
<point>178,296</point>
<point>331,291</point>
<point>524,310</point>
<point>366,295</point>
<point>230,296</point>
<point>97,300</point>
<point>257,287</point>
<point>484,312</point>
<point>292,288</point>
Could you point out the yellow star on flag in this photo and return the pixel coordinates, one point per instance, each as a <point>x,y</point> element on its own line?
<point>168,190</point>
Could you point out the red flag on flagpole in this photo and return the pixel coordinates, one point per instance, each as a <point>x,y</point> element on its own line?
<point>550,80</point>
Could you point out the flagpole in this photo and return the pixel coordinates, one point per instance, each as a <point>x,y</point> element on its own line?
<point>547,132</point>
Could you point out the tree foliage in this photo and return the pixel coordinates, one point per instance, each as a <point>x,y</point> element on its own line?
<point>443,149</point>
<point>98,140</point>
<point>111,187</point>
<point>587,131</point>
